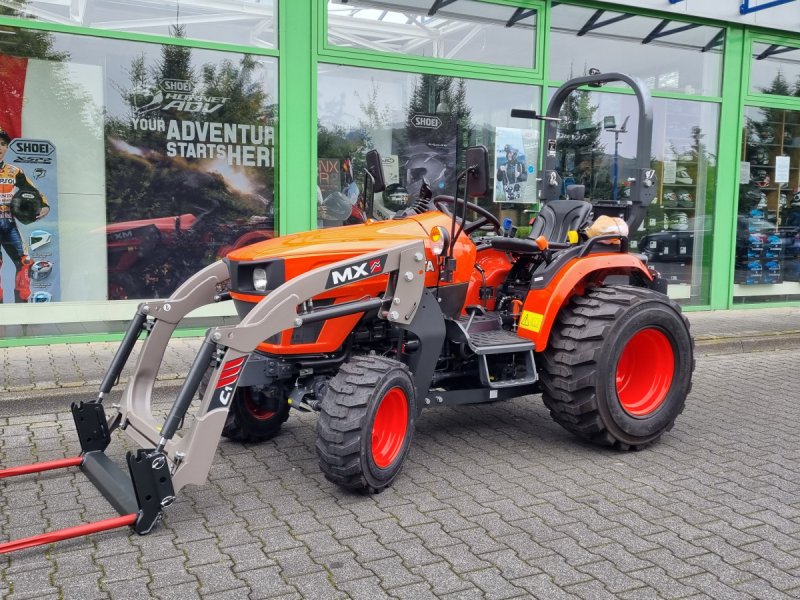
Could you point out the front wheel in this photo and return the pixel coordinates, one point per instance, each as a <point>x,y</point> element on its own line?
<point>619,366</point>
<point>366,423</point>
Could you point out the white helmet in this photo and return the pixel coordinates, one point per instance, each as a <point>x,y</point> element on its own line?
<point>41,269</point>
<point>679,221</point>
<point>39,238</point>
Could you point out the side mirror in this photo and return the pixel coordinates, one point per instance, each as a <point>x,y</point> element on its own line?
<point>477,171</point>
<point>375,169</point>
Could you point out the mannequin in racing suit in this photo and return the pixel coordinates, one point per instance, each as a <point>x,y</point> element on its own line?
<point>12,178</point>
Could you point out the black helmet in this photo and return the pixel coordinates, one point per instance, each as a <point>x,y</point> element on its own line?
<point>395,197</point>
<point>26,205</point>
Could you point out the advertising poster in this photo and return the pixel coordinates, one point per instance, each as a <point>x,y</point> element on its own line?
<point>190,168</point>
<point>28,199</point>
<point>515,173</point>
<point>31,165</point>
<point>427,152</point>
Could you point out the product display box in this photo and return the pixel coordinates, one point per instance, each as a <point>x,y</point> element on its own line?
<point>673,272</point>
<point>758,271</point>
<point>668,246</point>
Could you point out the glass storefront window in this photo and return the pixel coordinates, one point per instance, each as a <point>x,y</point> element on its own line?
<point>775,69</point>
<point>669,55</point>
<point>464,30</point>
<point>421,125</point>
<point>247,22</point>
<point>767,267</point>
<point>676,232</point>
<point>152,161</point>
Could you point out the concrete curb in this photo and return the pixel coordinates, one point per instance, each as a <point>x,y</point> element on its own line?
<point>711,345</point>
<point>705,345</point>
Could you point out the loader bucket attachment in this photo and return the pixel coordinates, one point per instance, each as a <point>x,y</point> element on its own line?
<point>166,459</point>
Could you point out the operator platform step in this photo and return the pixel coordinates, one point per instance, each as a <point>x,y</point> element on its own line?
<point>498,342</point>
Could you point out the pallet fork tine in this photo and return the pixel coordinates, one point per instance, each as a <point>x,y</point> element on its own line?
<point>165,461</point>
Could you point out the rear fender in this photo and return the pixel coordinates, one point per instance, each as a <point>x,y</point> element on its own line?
<point>543,305</point>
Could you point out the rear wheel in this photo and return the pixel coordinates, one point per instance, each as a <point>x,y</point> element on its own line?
<point>256,415</point>
<point>366,423</point>
<point>618,367</point>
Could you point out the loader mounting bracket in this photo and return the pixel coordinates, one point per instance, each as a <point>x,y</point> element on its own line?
<point>91,425</point>
<point>152,484</point>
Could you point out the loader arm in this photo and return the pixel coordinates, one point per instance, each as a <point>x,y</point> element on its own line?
<point>227,348</point>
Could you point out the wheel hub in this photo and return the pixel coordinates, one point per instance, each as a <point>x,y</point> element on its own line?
<point>389,427</point>
<point>255,409</point>
<point>645,371</point>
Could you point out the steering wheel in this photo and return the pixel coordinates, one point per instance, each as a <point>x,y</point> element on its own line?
<point>486,221</point>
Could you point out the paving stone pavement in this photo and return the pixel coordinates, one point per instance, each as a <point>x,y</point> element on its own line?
<point>82,365</point>
<point>495,501</point>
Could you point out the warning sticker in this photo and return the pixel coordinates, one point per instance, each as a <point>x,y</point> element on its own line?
<point>531,321</point>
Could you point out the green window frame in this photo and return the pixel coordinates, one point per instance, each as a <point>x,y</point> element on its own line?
<point>457,68</point>
<point>744,99</point>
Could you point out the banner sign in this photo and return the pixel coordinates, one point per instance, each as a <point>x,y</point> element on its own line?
<point>190,169</point>
<point>515,173</point>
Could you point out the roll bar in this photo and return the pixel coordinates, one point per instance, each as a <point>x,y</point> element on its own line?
<point>643,189</point>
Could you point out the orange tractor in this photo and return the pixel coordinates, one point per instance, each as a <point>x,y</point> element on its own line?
<point>370,324</point>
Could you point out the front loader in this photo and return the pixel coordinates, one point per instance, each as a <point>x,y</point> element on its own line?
<point>370,324</point>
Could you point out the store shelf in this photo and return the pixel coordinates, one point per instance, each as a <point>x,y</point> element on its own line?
<point>767,289</point>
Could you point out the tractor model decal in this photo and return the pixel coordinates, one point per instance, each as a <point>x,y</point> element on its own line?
<point>356,272</point>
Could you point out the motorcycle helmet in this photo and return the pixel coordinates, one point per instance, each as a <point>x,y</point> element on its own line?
<point>39,238</point>
<point>393,200</point>
<point>26,205</point>
<point>426,166</point>
<point>679,221</point>
<point>670,200</point>
<point>760,157</point>
<point>762,201</point>
<point>337,207</point>
<point>41,270</point>
<point>762,179</point>
<point>40,297</point>
<point>507,149</point>
<point>796,199</point>
<point>685,200</point>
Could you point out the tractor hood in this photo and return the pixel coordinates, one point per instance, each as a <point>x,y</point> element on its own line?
<point>288,256</point>
<point>323,246</point>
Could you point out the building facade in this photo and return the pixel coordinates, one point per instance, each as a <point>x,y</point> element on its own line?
<point>153,137</point>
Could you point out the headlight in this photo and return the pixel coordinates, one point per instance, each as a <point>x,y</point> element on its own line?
<point>260,280</point>
<point>439,240</point>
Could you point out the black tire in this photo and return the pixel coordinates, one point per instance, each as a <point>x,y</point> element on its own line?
<point>253,416</point>
<point>370,396</point>
<point>618,366</point>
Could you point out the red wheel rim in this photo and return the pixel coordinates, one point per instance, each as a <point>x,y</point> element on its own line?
<point>644,372</point>
<point>254,410</point>
<point>389,427</point>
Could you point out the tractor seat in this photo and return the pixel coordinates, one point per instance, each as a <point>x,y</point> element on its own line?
<point>557,217</point>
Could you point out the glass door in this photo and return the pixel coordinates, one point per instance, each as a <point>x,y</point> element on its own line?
<point>767,267</point>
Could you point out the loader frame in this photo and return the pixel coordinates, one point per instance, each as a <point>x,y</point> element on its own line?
<point>166,461</point>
